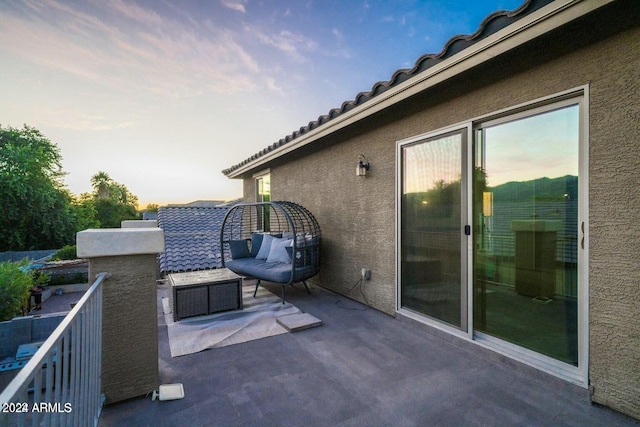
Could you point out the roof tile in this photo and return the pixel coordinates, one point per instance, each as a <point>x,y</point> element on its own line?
<point>191,237</point>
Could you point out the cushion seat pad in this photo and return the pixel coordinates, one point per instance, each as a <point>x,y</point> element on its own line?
<point>277,272</point>
<point>260,269</point>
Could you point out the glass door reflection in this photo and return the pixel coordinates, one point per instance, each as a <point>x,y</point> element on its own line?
<point>431,236</point>
<point>525,206</point>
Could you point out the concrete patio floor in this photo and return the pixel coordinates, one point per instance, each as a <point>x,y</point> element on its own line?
<point>360,368</point>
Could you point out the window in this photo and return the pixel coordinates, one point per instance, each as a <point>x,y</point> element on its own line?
<point>263,188</point>
<point>263,194</point>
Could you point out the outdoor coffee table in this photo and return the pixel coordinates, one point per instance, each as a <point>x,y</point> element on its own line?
<point>205,292</point>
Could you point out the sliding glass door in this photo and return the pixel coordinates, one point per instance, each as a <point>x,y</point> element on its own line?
<point>491,233</point>
<point>525,203</point>
<point>432,262</point>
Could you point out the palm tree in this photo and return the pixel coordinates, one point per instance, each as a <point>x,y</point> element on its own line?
<point>101,183</point>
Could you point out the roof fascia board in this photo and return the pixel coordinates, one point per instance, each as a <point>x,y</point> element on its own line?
<point>539,22</point>
<point>262,173</point>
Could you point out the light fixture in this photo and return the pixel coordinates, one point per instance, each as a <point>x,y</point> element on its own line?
<point>363,166</point>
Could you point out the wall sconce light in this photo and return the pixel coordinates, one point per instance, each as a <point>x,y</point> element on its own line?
<point>363,166</point>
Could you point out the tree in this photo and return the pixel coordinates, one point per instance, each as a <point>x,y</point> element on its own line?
<point>36,210</point>
<point>83,208</point>
<point>112,201</point>
<point>152,207</point>
<point>101,182</point>
<point>16,280</point>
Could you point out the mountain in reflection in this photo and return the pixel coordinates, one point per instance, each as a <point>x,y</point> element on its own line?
<point>540,189</point>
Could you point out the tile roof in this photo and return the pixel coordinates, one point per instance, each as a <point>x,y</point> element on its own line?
<point>192,237</point>
<point>199,204</point>
<point>490,25</point>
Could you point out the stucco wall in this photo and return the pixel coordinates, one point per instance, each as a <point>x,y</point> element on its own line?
<point>614,197</point>
<point>129,325</point>
<point>249,190</point>
<point>357,214</point>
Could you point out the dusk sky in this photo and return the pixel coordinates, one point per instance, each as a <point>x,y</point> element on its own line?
<point>164,95</point>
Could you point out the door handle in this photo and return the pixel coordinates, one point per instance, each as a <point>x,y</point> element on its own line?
<point>582,229</point>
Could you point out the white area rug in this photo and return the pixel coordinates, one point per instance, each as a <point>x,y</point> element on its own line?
<point>256,320</point>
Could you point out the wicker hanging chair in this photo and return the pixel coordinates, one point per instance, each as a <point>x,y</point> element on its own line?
<point>289,255</point>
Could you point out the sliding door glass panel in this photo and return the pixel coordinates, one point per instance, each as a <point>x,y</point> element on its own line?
<point>263,194</point>
<point>525,206</point>
<point>431,230</point>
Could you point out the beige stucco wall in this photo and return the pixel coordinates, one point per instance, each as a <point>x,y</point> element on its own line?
<point>249,190</point>
<point>129,325</point>
<point>357,214</point>
<point>614,259</point>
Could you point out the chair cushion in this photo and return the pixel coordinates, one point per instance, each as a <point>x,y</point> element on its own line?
<point>256,242</point>
<point>239,249</point>
<point>270,271</point>
<point>299,260</point>
<point>278,252</point>
<point>265,247</point>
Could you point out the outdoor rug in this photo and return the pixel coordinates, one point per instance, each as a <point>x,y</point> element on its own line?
<point>256,320</point>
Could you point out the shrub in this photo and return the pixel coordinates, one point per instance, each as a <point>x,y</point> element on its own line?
<point>67,252</point>
<point>15,283</point>
<point>67,279</point>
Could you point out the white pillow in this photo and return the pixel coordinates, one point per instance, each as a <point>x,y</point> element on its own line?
<point>278,252</point>
<point>265,247</point>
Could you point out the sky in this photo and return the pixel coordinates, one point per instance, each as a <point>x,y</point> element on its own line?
<point>163,95</point>
<point>550,140</point>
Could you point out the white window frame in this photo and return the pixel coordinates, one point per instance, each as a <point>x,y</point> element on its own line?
<point>256,177</point>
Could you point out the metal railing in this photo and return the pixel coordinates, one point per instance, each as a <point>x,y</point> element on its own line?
<point>60,385</point>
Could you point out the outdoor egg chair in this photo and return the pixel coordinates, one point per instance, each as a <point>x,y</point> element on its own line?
<point>277,242</point>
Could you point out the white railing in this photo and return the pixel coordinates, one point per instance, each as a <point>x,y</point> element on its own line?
<point>60,385</point>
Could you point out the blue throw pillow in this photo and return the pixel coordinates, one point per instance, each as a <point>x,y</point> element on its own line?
<point>278,252</point>
<point>265,247</point>
<point>256,242</point>
<point>239,249</point>
<point>299,261</point>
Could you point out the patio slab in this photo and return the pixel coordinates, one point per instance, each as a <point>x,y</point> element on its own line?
<point>298,322</point>
<point>362,367</point>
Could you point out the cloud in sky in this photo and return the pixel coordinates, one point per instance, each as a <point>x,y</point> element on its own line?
<point>164,95</point>
<point>156,54</point>
<point>296,45</point>
<point>235,5</point>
